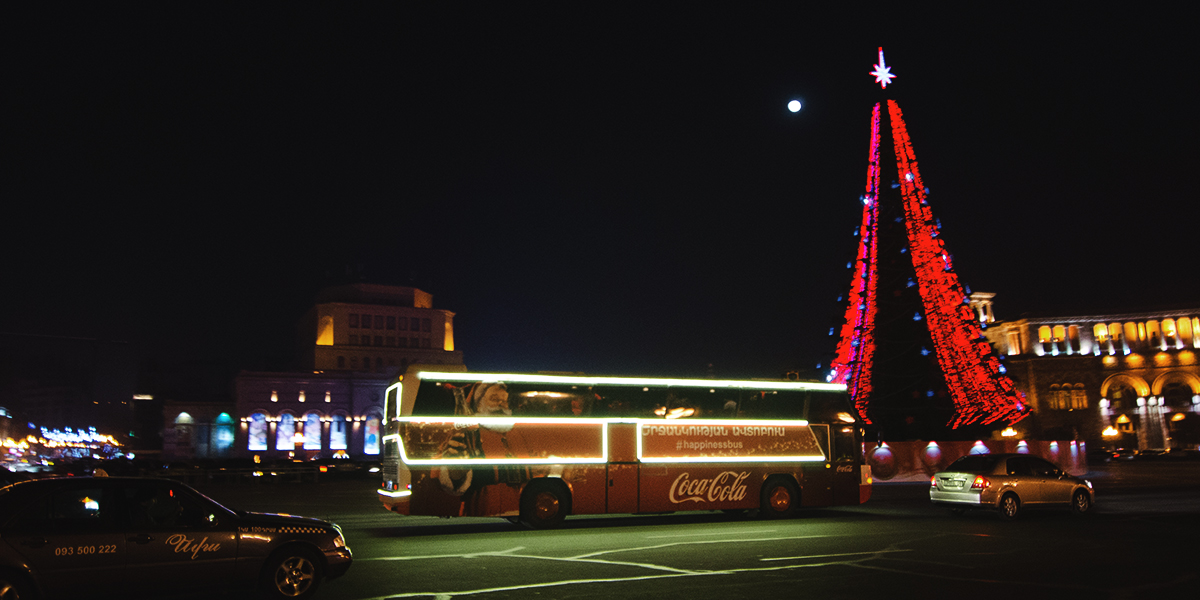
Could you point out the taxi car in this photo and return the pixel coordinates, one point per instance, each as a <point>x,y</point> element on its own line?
<point>66,537</point>
<point>1009,484</point>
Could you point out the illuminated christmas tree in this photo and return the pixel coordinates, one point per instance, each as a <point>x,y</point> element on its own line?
<point>911,353</point>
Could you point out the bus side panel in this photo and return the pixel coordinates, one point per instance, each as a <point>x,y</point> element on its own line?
<point>816,484</point>
<point>678,487</point>
<point>587,484</point>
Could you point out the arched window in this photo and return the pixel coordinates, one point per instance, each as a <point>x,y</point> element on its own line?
<point>183,429</point>
<point>1045,339</point>
<point>285,429</point>
<point>222,433</point>
<point>312,431</point>
<point>258,432</point>
<point>371,434</point>
<point>337,432</point>
<point>1122,397</point>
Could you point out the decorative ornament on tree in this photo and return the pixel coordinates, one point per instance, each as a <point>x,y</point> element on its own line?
<point>883,73</point>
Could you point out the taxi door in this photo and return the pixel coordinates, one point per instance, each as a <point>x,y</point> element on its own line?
<point>71,539</point>
<point>175,540</point>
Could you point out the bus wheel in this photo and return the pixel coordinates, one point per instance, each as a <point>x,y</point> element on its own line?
<point>544,504</point>
<point>780,498</point>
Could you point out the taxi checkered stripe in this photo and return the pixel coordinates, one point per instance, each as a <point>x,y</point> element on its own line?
<point>301,530</point>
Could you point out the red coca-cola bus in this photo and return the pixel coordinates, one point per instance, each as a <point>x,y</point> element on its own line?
<point>535,448</point>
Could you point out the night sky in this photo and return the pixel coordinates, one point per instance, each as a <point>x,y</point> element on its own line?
<point>595,187</point>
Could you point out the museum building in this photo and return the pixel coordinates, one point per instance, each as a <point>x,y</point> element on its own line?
<point>1122,379</point>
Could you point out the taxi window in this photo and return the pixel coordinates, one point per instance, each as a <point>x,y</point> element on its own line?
<point>69,510</point>
<point>157,506</point>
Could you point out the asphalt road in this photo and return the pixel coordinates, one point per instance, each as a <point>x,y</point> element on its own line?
<point>1139,542</point>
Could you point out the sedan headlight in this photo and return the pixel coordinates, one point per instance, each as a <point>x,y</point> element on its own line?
<point>339,541</point>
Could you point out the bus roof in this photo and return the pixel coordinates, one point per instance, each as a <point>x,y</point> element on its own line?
<point>632,381</point>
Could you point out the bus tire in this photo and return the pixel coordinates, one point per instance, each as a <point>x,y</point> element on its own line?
<point>544,504</point>
<point>780,497</point>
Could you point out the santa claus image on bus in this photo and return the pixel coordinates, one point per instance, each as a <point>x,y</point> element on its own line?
<point>485,489</point>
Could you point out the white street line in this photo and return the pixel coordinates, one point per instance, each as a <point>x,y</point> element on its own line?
<point>832,555</point>
<point>710,533</point>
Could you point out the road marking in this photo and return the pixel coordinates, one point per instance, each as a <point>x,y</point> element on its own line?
<point>657,546</point>
<point>745,531</point>
<point>435,556</point>
<point>832,555</point>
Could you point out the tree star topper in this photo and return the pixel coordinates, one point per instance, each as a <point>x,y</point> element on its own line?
<point>883,73</point>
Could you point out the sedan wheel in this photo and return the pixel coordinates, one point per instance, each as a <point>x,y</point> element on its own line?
<point>293,575</point>
<point>1081,503</point>
<point>1010,507</point>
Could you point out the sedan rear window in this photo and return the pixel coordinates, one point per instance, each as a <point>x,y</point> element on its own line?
<point>973,463</point>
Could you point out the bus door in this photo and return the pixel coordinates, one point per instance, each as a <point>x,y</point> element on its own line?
<point>622,468</point>
<point>846,465</point>
<point>817,483</point>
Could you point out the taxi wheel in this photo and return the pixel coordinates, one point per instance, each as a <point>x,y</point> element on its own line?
<point>544,505</point>
<point>779,498</point>
<point>1081,503</point>
<point>292,573</point>
<point>1010,507</point>
<point>14,587</point>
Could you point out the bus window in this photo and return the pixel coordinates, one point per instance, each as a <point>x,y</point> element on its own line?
<point>845,445</point>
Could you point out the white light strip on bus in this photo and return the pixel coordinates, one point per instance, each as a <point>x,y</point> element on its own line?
<point>641,425</point>
<point>399,494</point>
<point>549,460</point>
<point>643,381</point>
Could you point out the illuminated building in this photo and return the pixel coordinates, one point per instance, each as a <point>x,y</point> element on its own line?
<point>376,328</point>
<point>1136,373</point>
<point>353,341</point>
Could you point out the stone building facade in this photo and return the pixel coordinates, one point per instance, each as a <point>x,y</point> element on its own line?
<point>1122,379</point>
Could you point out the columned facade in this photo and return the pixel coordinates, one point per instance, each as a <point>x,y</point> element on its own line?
<point>1123,379</point>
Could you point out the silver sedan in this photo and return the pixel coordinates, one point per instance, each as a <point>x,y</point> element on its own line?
<point>1009,484</point>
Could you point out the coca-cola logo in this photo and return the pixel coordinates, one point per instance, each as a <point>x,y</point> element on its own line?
<point>729,485</point>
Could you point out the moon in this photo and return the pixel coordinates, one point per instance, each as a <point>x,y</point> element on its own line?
<point>794,106</point>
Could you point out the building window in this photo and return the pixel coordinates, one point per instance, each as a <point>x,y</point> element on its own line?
<point>389,341</point>
<point>258,432</point>
<point>354,320</point>
<point>1073,339</point>
<point>379,340</point>
<point>337,432</point>
<point>391,322</point>
<point>426,325</point>
<point>402,324</point>
<point>312,431</point>
<point>371,436</point>
<point>353,340</point>
<point>285,430</point>
<point>1078,397</point>
<point>341,362</point>
<point>1014,342</point>
<point>378,321</point>
<point>402,342</point>
<point>425,342</point>
<point>414,343</point>
<point>414,324</point>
